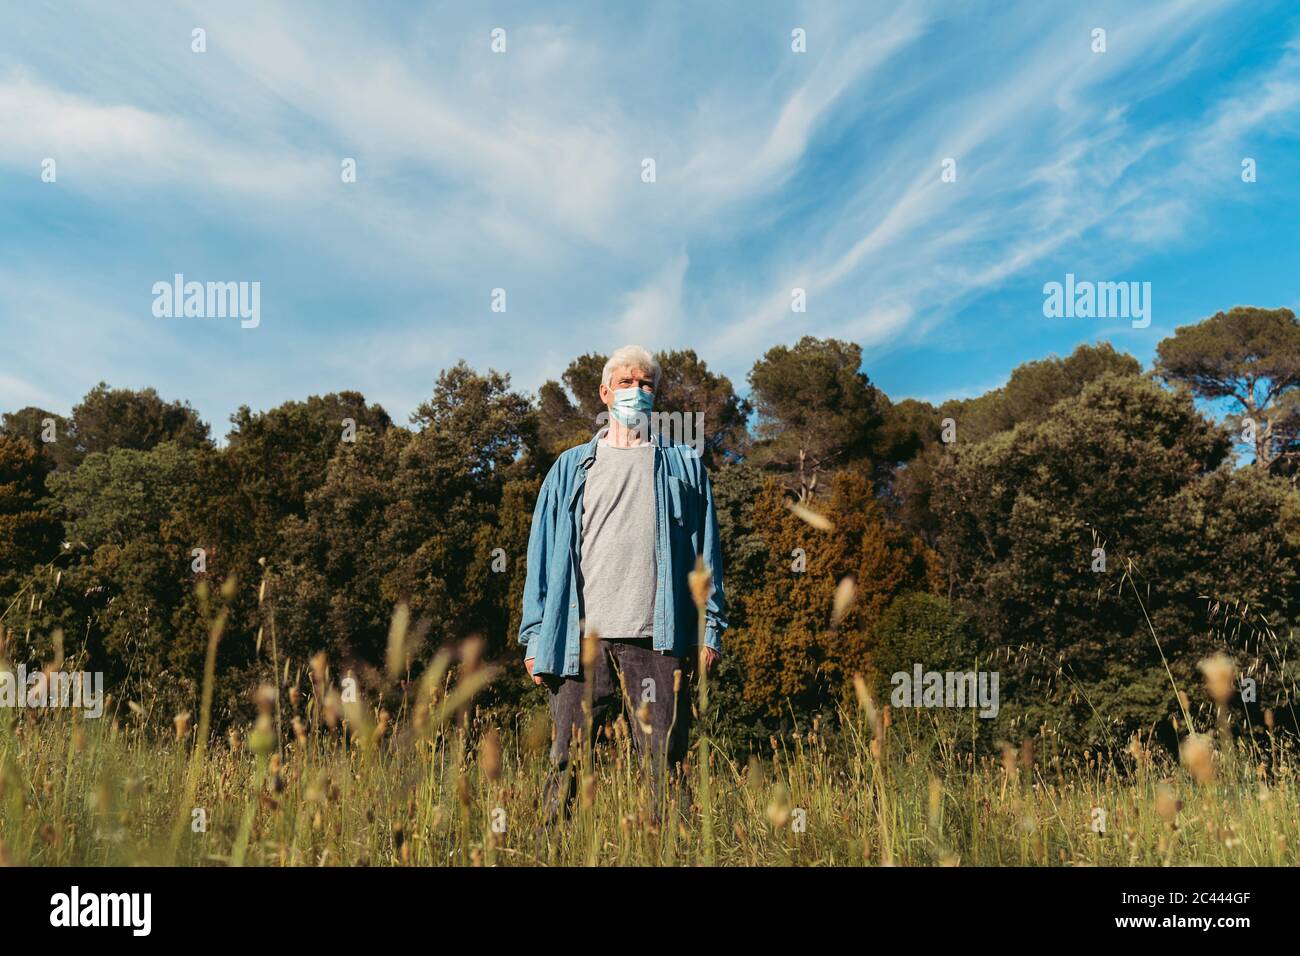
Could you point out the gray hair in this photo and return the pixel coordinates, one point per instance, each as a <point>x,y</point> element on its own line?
<point>631,356</point>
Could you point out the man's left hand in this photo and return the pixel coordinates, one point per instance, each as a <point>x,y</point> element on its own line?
<point>709,658</point>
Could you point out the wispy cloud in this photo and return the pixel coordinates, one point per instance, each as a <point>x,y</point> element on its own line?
<point>522,171</point>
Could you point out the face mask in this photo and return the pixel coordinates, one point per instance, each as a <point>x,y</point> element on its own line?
<point>631,405</point>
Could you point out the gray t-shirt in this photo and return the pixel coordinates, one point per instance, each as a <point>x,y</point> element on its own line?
<point>618,542</point>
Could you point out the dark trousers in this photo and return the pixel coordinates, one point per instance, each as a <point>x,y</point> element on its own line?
<point>631,677</point>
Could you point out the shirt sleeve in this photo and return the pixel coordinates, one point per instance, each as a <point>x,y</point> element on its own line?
<point>540,540</point>
<point>715,612</point>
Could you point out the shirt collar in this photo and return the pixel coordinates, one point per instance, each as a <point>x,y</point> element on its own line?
<point>589,450</point>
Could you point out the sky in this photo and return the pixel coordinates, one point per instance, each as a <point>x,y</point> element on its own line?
<point>920,169</point>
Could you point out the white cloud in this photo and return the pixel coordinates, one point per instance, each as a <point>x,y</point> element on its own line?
<point>1029,187</point>
<point>776,170</point>
<point>99,146</point>
<point>16,393</point>
<point>654,312</point>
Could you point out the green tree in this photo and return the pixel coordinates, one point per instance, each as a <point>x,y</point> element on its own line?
<point>925,629</point>
<point>1240,545</point>
<point>435,518</point>
<point>126,418</point>
<point>330,584</point>
<point>273,460</point>
<point>1029,396</point>
<point>736,488</point>
<point>1027,517</point>
<point>29,532</point>
<point>816,411</point>
<point>122,494</point>
<point>567,413</point>
<point>919,628</point>
<point>1033,389</point>
<point>689,388</point>
<point>42,428</point>
<point>1250,359</point>
<point>124,600</point>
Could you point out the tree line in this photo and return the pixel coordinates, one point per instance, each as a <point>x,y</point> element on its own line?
<point>1089,530</point>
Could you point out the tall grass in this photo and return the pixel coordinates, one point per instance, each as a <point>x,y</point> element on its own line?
<point>411,773</point>
<point>459,791</point>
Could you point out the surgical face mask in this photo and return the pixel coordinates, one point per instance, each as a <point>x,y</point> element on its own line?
<point>632,405</point>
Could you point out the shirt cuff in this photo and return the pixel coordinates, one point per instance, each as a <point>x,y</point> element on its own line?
<point>713,638</point>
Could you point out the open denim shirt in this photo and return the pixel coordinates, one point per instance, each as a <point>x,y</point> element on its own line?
<point>686,525</point>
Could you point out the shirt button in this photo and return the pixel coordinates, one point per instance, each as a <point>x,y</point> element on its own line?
<point>574,604</point>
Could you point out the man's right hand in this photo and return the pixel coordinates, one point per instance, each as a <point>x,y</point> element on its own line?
<point>528,666</point>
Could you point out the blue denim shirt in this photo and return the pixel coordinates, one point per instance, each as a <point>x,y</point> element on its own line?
<point>686,525</point>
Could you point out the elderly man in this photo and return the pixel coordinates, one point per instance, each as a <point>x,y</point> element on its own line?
<point>618,524</point>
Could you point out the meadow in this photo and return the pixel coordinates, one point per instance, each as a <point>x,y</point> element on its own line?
<point>421,776</point>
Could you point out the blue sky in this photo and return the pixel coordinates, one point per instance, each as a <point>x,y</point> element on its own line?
<point>522,170</point>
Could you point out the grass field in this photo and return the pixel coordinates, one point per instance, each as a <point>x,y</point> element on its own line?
<point>435,785</point>
<point>411,772</point>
